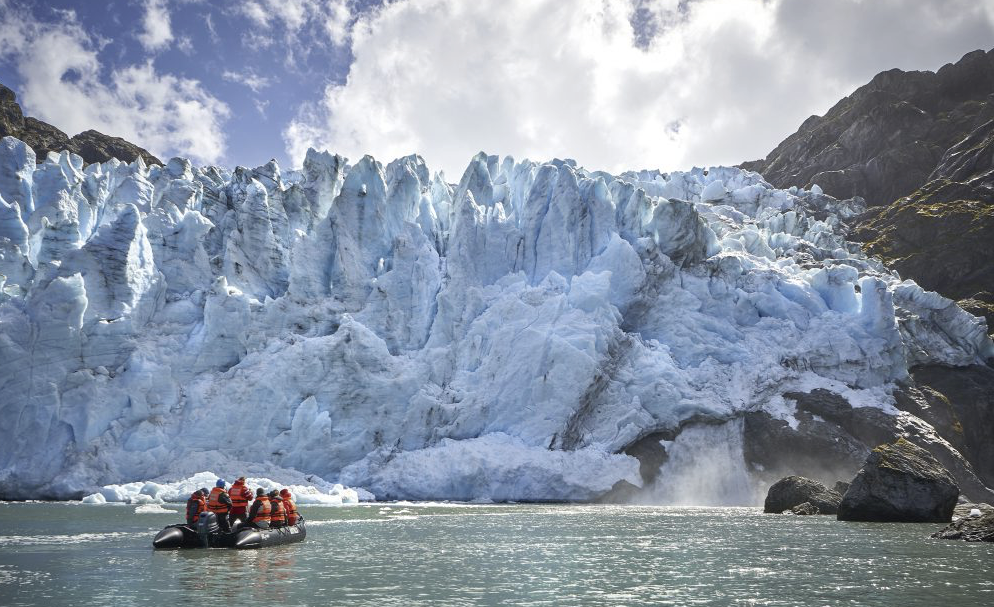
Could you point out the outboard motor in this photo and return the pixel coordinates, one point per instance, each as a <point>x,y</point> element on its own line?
<point>207,525</point>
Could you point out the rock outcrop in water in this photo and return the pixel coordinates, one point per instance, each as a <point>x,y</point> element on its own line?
<point>900,482</point>
<point>828,438</point>
<point>794,491</point>
<point>959,404</point>
<point>92,146</point>
<point>972,523</point>
<point>806,509</point>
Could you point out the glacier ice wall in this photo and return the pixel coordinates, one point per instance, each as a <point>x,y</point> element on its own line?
<point>504,337</point>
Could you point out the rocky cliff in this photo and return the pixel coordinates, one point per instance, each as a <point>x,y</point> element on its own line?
<point>917,146</point>
<point>43,138</point>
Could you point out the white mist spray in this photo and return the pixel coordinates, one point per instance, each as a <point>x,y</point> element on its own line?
<point>706,467</point>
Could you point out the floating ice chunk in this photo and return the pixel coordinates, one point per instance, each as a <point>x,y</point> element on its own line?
<point>152,494</point>
<point>153,509</point>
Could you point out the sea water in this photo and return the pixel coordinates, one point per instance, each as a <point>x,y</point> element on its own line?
<point>463,554</point>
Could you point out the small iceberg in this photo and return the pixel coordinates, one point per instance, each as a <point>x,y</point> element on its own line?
<point>152,493</point>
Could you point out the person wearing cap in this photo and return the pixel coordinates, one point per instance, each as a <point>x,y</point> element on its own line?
<point>277,514</point>
<point>289,507</point>
<point>259,512</point>
<point>219,503</point>
<point>240,497</point>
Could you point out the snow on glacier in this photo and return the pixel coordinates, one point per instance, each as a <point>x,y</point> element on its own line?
<point>501,338</point>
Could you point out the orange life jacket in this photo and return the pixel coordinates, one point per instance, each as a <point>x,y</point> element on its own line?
<point>240,495</point>
<point>194,509</point>
<point>277,514</point>
<point>263,513</point>
<point>214,501</point>
<point>291,511</point>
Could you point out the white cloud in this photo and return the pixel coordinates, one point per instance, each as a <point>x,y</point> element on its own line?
<point>247,78</point>
<point>156,31</point>
<point>261,106</point>
<point>322,20</point>
<point>718,81</point>
<point>63,84</point>
<point>185,44</point>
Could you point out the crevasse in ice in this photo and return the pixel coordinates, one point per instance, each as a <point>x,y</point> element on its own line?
<point>500,338</point>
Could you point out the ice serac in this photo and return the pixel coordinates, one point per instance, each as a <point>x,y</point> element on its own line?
<point>509,337</point>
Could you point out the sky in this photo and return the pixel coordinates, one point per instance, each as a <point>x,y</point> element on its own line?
<point>613,84</point>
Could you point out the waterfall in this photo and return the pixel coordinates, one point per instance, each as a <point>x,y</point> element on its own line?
<point>705,467</point>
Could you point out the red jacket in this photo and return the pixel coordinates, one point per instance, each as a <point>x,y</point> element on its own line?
<point>218,501</point>
<point>240,497</point>
<point>291,511</point>
<point>194,506</point>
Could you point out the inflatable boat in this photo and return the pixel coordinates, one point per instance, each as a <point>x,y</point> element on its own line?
<point>208,534</point>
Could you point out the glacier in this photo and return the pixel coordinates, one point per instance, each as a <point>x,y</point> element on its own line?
<point>505,337</point>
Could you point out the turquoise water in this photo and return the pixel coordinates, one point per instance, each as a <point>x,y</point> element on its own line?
<point>64,554</point>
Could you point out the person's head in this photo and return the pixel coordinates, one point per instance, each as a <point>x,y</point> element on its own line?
<point>219,483</point>
<point>260,492</point>
<point>285,493</point>
<point>204,491</point>
<point>273,494</point>
<point>241,480</point>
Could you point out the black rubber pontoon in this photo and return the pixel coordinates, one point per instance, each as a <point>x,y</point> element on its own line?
<point>208,534</point>
<point>177,536</point>
<point>263,538</point>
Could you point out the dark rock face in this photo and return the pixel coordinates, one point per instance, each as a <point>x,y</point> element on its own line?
<point>883,141</point>
<point>818,447</point>
<point>795,491</point>
<point>840,487</point>
<point>900,482</point>
<point>918,147</point>
<point>832,439</point>
<point>940,234</point>
<point>94,146</point>
<point>959,403</point>
<point>44,138</point>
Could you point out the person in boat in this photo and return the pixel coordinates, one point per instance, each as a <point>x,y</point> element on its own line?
<point>277,514</point>
<point>240,497</point>
<point>259,513</point>
<point>289,507</point>
<point>219,503</point>
<point>195,505</point>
